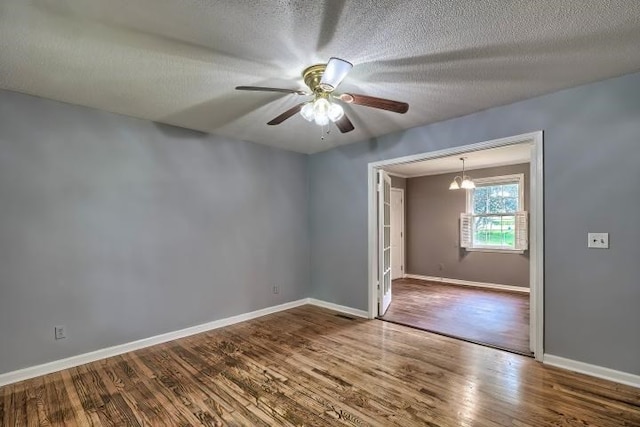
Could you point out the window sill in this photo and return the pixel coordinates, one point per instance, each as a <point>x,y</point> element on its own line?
<point>496,250</point>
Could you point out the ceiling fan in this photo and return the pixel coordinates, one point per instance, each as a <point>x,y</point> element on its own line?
<point>322,80</point>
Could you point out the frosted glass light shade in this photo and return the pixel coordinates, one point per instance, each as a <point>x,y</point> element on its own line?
<point>321,107</point>
<point>307,111</point>
<point>454,185</point>
<point>322,120</point>
<point>467,184</point>
<point>335,112</point>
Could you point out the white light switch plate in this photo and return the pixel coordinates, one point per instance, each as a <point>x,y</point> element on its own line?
<point>598,240</point>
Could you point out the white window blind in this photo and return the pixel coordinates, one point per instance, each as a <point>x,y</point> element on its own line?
<point>522,231</point>
<point>466,230</point>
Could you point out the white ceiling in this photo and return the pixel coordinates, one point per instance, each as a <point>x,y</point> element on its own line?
<point>178,61</point>
<point>502,156</point>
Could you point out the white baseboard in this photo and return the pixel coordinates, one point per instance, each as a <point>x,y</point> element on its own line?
<point>81,359</point>
<point>446,281</point>
<point>341,308</point>
<point>593,370</point>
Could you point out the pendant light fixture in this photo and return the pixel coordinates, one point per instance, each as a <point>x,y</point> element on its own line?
<point>464,182</point>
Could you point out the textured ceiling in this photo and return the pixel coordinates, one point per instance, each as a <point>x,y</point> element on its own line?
<point>178,61</point>
<point>501,156</point>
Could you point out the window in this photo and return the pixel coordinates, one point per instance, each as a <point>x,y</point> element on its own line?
<point>495,220</point>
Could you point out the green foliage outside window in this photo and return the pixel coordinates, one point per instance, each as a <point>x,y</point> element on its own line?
<point>494,207</point>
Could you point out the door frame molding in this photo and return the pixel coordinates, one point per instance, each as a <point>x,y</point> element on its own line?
<point>404,233</point>
<point>536,224</point>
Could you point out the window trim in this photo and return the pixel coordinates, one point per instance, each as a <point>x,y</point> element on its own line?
<point>487,182</point>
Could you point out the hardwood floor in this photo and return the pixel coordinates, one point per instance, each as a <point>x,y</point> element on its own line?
<point>310,366</point>
<point>486,316</point>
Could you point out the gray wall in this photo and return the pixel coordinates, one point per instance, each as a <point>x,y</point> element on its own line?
<point>592,153</point>
<point>433,232</point>
<point>121,229</point>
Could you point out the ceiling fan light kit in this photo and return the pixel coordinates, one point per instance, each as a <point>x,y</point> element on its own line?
<point>322,111</point>
<point>322,80</point>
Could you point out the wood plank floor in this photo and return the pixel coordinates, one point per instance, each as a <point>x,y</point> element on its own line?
<point>309,366</point>
<point>486,316</point>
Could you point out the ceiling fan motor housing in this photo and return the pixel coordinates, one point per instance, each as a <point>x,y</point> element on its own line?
<point>312,77</point>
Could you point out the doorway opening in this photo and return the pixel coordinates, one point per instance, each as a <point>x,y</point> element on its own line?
<point>466,263</point>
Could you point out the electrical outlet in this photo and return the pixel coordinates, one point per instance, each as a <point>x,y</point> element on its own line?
<point>598,240</point>
<point>60,332</point>
<point>276,290</point>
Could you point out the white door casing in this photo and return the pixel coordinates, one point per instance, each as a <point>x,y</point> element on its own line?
<point>397,233</point>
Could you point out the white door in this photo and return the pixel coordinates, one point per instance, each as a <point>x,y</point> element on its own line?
<point>397,233</point>
<point>384,236</point>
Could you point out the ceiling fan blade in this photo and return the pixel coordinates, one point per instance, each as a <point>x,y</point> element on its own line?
<point>337,69</point>
<point>344,124</point>
<point>372,101</point>
<point>284,116</point>
<point>271,89</point>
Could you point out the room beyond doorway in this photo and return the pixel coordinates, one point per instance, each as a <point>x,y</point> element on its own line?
<point>531,251</point>
<point>479,292</point>
<point>490,317</point>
